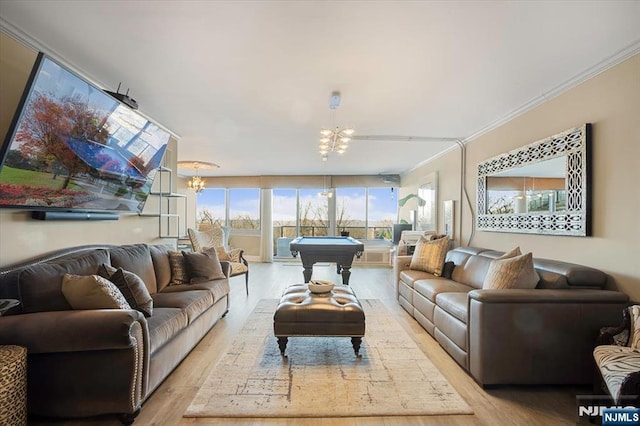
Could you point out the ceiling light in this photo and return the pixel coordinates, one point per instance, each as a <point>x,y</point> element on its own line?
<point>196,183</point>
<point>336,140</point>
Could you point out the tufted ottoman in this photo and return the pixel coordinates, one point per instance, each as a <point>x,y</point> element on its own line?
<point>334,314</point>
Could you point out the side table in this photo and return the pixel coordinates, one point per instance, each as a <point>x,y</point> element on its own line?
<point>13,385</point>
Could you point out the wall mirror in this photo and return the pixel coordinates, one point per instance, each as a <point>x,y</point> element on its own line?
<point>541,188</point>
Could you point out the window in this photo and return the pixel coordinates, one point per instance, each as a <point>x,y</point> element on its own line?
<point>351,212</point>
<point>284,202</point>
<point>313,213</point>
<point>238,208</point>
<point>212,207</point>
<point>382,212</point>
<point>244,208</point>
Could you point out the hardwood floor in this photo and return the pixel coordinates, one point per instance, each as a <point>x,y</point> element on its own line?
<point>506,405</point>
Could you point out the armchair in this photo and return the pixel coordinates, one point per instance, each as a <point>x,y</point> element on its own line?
<point>216,237</point>
<point>617,358</point>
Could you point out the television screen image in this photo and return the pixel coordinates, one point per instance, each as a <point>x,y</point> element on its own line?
<point>73,147</point>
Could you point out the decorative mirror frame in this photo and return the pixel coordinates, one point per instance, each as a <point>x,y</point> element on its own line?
<point>575,144</point>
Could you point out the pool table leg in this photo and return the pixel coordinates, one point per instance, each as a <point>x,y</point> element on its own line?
<point>307,273</point>
<point>346,273</point>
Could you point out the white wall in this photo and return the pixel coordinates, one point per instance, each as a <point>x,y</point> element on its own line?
<point>611,102</point>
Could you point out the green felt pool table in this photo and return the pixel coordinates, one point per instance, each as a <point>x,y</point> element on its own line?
<point>339,250</point>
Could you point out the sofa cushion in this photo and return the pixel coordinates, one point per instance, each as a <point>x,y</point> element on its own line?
<point>131,286</point>
<point>192,302</point>
<point>409,277</point>
<point>431,287</point>
<point>164,325</point>
<point>92,292</point>
<point>455,304</point>
<point>41,285</point>
<point>136,258</point>
<point>429,255</point>
<point>160,258</point>
<point>511,272</point>
<point>471,271</point>
<point>203,266</point>
<point>217,288</point>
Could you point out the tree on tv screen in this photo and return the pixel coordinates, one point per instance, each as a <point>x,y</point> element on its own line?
<point>45,126</point>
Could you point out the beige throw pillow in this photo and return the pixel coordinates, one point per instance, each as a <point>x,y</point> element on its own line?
<point>92,292</point>
<point>429,255</point>
<point>514,272</point>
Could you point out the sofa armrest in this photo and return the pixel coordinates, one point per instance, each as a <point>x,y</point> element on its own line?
<point>400,263</point>
<point>72,331</point>
<point>537,336</point>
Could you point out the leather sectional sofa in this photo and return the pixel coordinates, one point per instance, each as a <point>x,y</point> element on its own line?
<point>512,336</point>
<point>102,361</point>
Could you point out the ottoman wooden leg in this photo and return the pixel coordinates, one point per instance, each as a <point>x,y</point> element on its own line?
<point>356,341</point>
<point>282,344</point>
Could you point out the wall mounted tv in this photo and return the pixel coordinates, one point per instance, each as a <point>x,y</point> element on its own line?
<point>72,147</point>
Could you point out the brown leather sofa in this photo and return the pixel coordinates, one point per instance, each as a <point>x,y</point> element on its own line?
<point>539,336</point>
<point>91,362</point>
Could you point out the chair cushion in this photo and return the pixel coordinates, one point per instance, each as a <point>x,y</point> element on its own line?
<point>238,268</point>
<point>214,237</point>
<point>429,255</point>
<point>615,363</point>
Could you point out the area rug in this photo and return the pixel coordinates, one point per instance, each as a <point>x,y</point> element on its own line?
<point>322,377</point>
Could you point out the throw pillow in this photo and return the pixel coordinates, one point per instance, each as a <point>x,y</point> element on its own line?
<point>179,274</point>
<point>131,286</point>
<point>429,255</point>
<point>634,336</point>
<point>92,292</point>
<point>511,253</point>
<point>222,254</point>
<point>510,273</point>
<point>203,266</point>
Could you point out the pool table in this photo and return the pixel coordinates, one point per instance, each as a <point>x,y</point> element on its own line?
<point>338,250</point>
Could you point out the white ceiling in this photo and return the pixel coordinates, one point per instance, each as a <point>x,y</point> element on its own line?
<point>246,85</point>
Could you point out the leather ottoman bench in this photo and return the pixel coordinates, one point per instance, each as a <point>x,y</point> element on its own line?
<point>334,314</point>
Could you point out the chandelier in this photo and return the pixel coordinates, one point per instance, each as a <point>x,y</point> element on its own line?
<point>337,139</point>
<point>196,183</point>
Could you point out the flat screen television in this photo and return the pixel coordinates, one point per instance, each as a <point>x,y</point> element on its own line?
<point>72,147</point>
<point>397,231</point>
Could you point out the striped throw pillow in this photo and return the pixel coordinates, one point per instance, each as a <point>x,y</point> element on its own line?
<point>429,255</point>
